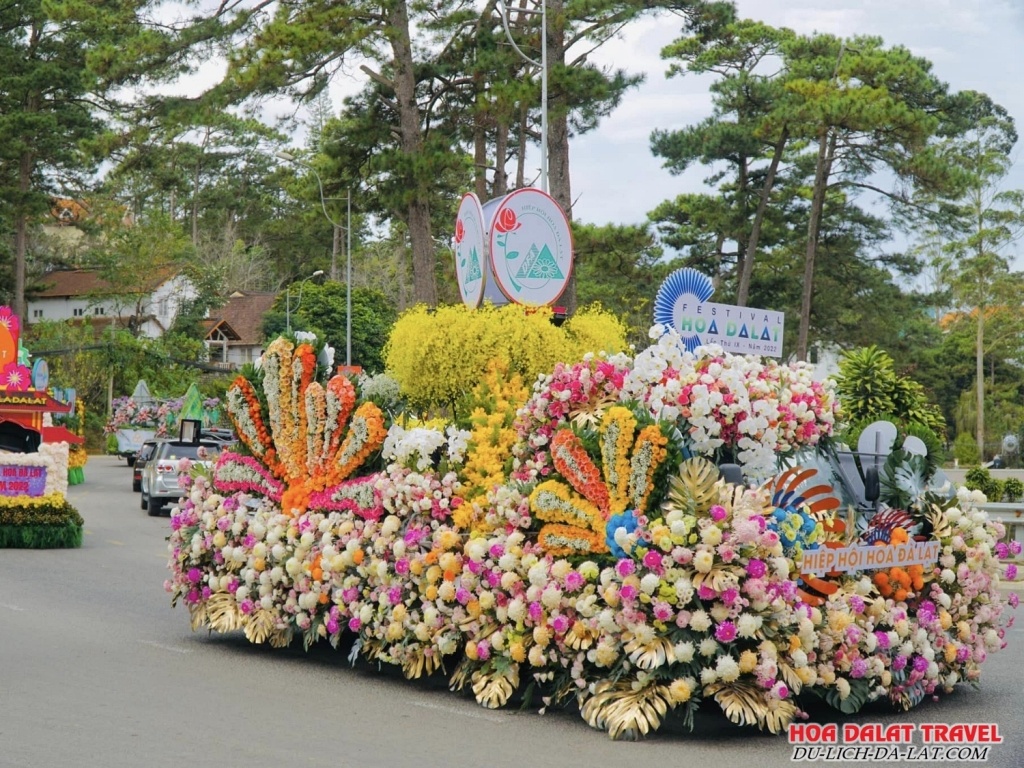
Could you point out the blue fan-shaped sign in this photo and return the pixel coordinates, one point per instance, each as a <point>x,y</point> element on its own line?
<point>683,289</point>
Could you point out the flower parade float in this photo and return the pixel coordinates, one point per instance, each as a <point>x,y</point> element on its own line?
<point>33,453</point>
<point>140,417</point>
<point>582,548</point>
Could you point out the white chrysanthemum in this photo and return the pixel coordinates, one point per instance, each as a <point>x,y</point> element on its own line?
<point>708,647</point>
<point>551,598</point>
<point>700,621</point>
<point>649,583</point>
<point>843,686</point>
<point>516,610</point>
<point>748,624</point>
<point>684,652</point>
<point>538,574</point>
<point>727,668</point>
<point>703,561</point>
<point>720,612</point>
<point>712,535</point>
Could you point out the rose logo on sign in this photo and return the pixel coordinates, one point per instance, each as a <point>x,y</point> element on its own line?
<point>507,221</point>
<point>531,247</point>
<point>469,250</point>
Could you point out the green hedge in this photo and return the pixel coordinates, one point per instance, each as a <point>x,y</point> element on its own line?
<point>55,524</point>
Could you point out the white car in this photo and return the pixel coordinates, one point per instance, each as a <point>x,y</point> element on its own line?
<point>160,475</point>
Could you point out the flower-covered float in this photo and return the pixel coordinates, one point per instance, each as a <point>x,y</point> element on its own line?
<point>140,416</point>
<point>34,512</point>
<point>582,548</point>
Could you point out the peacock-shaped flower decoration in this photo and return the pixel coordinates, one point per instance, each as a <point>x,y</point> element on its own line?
<point>307,440</point>
<point>582,514</point>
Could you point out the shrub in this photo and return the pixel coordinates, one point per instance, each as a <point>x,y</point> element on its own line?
<point>965,450</point>
<point>980,479</point>
<point>869,388</point>
<point>438,355</point>
<point>1013,489</point>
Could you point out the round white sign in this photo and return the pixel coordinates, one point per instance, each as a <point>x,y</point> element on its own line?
<point>530,247</point>
<point>470,254</point>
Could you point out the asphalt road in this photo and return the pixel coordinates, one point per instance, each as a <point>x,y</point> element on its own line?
<point>97,669</point>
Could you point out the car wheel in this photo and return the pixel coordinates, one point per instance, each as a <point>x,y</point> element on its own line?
<point>136,485</point>
<point>155,507</point>
<point>144,503</point>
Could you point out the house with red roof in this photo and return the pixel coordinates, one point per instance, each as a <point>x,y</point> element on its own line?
<point>234,332</point>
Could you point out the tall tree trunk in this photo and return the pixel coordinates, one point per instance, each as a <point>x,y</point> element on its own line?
<point>479,143</point>
<point>743,291</point>
<point>418,213</point>
<point>21,236</point>
<point>500,186</point>
<point>521,160</point>
<point>823,168</point>
<point>979,373</point>
<point>195,203</point>
<point>559,185</point>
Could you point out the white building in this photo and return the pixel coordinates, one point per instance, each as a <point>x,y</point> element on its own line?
<point>81,294</point>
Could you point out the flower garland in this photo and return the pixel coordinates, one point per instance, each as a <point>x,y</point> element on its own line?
<point>246,414</point>
<point>366,435</point>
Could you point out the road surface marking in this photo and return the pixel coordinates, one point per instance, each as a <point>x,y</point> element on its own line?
<point>115,543</point>
<point>11,607</point>
<point>165,647</point>
<point>464,712</point>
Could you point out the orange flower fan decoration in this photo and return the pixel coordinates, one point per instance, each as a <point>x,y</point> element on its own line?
<point>314,441</point>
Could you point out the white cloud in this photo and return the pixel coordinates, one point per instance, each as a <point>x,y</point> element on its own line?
<point>972,44</point>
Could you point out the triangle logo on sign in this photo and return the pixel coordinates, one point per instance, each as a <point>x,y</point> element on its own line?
<point>540,265</point>
<point>473,270</point>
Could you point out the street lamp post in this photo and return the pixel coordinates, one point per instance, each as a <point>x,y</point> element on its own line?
<point>288,300</point>
<point>543,66</point>
<point>334,252</point>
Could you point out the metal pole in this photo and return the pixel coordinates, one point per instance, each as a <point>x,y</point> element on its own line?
<point>288,299</point>
<point>543,65</point>
<point>348,283</point>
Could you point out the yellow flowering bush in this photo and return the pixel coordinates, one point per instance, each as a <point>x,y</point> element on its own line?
<point>594,329</point>
<point>438,355</point>
<point>495,401</point>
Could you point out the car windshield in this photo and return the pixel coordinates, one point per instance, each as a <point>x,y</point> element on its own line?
<point>146,451</point>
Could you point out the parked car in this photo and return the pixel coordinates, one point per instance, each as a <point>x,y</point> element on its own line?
<point>145,453</point>
<point>160,475</point>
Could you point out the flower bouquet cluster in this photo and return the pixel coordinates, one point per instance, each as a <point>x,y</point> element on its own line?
<point>579,391</point>
<point>759,411</point>
<point>608,571</point>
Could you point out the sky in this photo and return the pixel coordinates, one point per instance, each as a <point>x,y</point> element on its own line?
<point>972,44</point>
